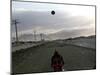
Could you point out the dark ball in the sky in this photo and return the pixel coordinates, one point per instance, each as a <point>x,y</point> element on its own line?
<point>52,12</point>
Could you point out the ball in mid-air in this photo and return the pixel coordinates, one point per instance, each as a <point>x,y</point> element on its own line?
<point>52,12</point>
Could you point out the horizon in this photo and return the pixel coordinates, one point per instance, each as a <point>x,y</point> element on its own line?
<point>53,39</point>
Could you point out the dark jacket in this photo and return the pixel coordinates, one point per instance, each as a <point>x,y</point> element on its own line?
<point>57,61</point>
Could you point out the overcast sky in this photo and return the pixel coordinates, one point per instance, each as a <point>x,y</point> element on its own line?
<point>67,19</point>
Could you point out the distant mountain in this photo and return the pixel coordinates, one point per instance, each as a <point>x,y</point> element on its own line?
<point>64,34</point>
<point>27,37</point>
<point>24,37</point>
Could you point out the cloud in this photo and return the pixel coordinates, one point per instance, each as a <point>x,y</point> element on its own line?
<point>44,22</point>
<point>33,20</point>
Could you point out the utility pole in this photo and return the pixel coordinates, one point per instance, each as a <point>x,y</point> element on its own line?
<point>42,36</point>
<point>35,35</point>
<point>15,23</point>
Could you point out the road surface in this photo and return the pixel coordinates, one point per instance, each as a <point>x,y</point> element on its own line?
<point>37,59</point>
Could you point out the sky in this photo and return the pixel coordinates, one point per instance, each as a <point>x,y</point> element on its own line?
<point>68,21</point>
